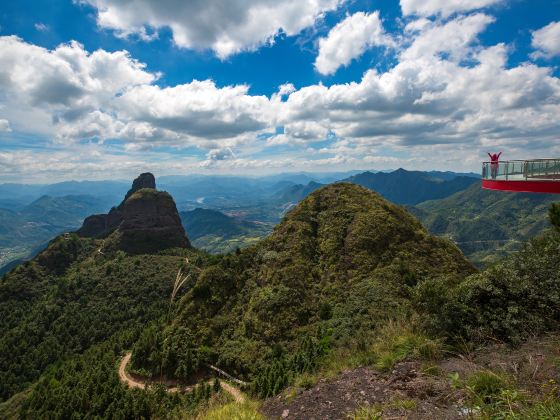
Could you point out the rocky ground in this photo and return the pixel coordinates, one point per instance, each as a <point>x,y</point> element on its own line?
<point>395,393</point>
<point>410,392</point>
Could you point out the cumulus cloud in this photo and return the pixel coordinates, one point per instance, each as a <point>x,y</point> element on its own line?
<point>349,39</point>
<point>443,7</point>
<point>546,41</point>
<point>453,38</point>
<point>67,77</point>
<point>429,97</point>
<point>198,109</point>
<point>4,125</point>
<point>101,95</point>
<point>225,27</point>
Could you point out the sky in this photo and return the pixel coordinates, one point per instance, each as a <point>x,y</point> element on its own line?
<point>101,89</point>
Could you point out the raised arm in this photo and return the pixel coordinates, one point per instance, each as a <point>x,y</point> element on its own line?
<point>489,155</point>
<point>499,154</point>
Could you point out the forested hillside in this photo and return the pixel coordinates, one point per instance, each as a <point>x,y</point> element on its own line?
<point>487,225</point>
<point>216,232</point>
<point>341,262</point>
<point>347,280</point>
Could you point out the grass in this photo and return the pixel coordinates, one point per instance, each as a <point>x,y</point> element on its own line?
<point>233,411</point>
<point>398,340</point>
<point>376,411</point>
<point>366,413</point>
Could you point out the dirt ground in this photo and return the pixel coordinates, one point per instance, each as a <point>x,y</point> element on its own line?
<point>338,397</point>
<point>408,393</point>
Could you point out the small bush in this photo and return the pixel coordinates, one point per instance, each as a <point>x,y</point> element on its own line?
<point>366,413</point>
<point>554,215</point>
<point>398,341</point>
<point>486,384</point>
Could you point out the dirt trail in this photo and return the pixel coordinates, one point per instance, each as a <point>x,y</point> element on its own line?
<point>138,383</point>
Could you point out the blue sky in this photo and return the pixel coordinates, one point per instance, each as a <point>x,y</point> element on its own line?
<point>101,88</point>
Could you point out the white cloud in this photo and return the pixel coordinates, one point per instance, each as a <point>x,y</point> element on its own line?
<point>546,41</point>
<point>443,7</point>
<point>73,95</point>
<point>428,99</point>
<point>4,125</point>
<point>349,39</point>
<point>67,77</point>
<point>391,118</point>
<point>225,27</point>
<point>197,109</point>
<point>453,38</point>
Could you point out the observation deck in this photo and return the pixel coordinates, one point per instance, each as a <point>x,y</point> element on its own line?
<point>538,176</point>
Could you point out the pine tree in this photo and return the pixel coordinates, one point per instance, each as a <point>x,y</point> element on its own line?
<point>217,385</point>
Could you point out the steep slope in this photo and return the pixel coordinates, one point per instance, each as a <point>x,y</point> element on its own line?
<point>146,221</point>
<point>81,291</point>
<point>487,225</point>
<point>343,259</point>
<point>35,224</point>
<point>411,187</point>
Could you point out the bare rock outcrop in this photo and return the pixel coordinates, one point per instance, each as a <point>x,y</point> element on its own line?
<point>146,221</point>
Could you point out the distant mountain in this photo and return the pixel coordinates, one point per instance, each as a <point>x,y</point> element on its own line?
<point>411,187</point>
<point>448,175</point>
<point>30,192</point>
<point>217,232</point>
<point>487,224</point>
<point>23,232</point>
<point>296,193</point>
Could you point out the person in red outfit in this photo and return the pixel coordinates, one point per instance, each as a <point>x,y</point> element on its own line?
<point>494,163</point>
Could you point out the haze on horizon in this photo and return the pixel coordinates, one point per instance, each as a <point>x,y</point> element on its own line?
<point>101,89</point>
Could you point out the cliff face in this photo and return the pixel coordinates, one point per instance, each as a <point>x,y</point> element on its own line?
<point>146,221</point>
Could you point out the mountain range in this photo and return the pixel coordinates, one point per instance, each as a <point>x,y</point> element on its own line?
<point>346,282</point>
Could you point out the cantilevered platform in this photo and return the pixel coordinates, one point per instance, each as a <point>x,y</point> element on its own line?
<point>538,175</point>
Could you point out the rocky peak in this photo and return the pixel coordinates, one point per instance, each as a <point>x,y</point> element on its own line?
<point>145,180</point>
<point>146,221</point>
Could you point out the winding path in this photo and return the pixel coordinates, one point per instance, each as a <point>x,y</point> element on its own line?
<point>126,378</point>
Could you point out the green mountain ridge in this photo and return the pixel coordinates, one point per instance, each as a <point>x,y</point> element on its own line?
<point>337,249</point>
<point>342,269</point>
<point>411,187</point>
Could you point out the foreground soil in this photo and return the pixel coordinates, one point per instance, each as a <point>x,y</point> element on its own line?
<point>338,397</point>
<point>408,392</point>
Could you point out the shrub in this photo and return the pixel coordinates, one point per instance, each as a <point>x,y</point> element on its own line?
<point>554,215</point>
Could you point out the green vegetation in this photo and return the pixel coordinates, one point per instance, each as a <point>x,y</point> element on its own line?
<point>342,262</point>
<point>554,214</point>
<point>245,411</point>
<point>71,297</point>
<point>487,225</point>
<point>347,279</point>
<point>511,301</point>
